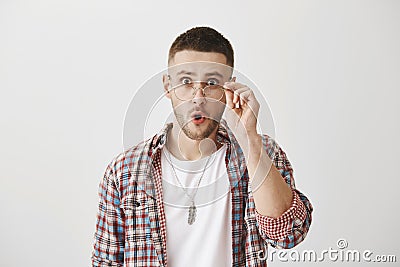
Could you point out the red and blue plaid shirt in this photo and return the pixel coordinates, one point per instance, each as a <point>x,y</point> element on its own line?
<point>131,224</point>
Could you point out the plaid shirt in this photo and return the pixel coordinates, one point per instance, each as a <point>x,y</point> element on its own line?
<point>131,224</point>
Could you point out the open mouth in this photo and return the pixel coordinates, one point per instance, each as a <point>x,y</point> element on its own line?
<point>198,118</point>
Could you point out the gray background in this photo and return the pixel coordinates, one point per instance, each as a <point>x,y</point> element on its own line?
<point>68,70</point>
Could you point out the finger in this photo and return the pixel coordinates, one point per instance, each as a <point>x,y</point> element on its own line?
<point>235,97</point>
<point>229,99</point>
<point>240,93</point>
<point>243,94</point>
<point>229,102</point>
<point>233,85</point>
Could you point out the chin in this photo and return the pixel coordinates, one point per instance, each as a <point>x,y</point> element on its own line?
<point>201,131</point>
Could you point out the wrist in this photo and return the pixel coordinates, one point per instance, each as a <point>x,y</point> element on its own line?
<point>251,139</point>
<point>251,146</point>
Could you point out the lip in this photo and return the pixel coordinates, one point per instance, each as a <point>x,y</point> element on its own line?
<point>197,113</point>
<point>201,119</point>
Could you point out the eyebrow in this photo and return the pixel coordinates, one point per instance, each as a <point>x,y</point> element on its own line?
<point>184,72</point>
<point>215,73</point>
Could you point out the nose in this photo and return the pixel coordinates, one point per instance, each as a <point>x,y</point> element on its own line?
<point>198,97</point>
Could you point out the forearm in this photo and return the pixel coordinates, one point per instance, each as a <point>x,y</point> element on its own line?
<point>282,213</point>
<point>272,195</point>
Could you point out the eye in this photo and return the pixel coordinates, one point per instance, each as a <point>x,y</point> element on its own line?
<point>186,80</point>
<point>212,82</point>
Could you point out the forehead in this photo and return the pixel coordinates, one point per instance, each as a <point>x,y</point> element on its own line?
<point>186,56</point>
<point>199,64</point>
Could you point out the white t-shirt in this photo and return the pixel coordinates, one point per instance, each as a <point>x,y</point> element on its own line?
<point>208,241</point>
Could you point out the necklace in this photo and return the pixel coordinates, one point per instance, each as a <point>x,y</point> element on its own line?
<point>192,207</point>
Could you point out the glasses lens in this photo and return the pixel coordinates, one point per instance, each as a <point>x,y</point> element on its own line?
<point>214,91</point>
<point>184,91</point>
<point>187,91</point>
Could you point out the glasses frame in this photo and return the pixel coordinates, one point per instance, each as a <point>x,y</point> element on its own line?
<point>195,90</point>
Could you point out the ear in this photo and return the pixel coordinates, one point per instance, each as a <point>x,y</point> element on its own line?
<point>166,84</point>
<point>233,79</point>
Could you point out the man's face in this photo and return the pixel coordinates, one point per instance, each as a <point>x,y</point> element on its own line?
<point>198,112</point>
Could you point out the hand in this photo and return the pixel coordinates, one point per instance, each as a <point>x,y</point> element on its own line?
<point>242,111</point>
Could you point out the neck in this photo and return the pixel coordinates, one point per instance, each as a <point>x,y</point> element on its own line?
<point>184,148</point>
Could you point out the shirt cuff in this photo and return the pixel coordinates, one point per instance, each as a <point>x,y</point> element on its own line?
<point>279,228</point>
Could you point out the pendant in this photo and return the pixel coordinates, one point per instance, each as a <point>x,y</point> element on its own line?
<point>192,214</point>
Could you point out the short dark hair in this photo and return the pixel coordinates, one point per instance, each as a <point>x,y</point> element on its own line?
<point>202,39</point>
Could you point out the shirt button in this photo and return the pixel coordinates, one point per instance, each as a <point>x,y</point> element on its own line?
<point>297,222</point>
<point>162,140</point>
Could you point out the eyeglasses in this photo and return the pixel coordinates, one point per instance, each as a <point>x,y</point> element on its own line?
<point>187,89</point>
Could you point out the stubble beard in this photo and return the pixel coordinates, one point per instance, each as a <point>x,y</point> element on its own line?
<point>184,124</point>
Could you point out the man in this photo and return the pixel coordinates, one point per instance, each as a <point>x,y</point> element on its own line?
<point>152,209</point>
